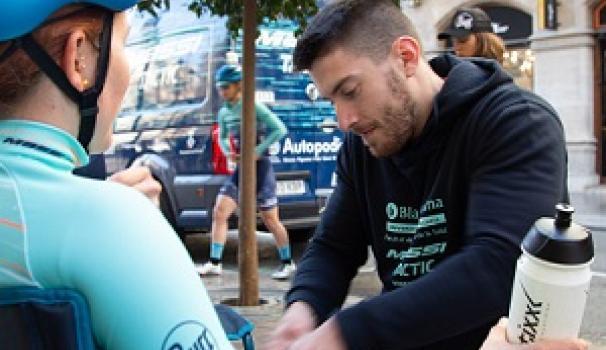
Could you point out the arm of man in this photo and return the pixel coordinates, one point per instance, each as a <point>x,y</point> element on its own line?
<point>518,176</point>
<point>275,127</point>
<point>328,265</point>
<point>298,321</point>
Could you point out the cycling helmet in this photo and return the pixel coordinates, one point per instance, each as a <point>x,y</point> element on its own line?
<point>228,74</point>
<point>23,16</point>
<point>20,18</point>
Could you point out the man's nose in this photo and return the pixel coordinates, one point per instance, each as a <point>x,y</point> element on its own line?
<point>346,116</point>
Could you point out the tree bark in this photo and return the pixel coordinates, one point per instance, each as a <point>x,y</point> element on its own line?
<point>247,253</point>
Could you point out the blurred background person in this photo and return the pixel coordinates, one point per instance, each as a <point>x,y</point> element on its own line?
<point>270,129</point>
<point>472,35</point>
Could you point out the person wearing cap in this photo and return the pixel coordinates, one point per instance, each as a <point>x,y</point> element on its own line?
<point>63,74</point>
<point>270,129</point>
<point>472,35</point>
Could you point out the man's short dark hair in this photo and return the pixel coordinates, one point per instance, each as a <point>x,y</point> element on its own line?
<point>368,27</point>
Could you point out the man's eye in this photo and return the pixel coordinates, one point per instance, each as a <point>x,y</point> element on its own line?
<point>350,93</point>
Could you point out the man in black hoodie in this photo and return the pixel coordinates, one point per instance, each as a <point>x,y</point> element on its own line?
<point>444,168</point>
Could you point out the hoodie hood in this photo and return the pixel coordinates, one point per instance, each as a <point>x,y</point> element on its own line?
<point>466,81</point>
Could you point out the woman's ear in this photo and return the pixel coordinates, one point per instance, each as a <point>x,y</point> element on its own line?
<point>408,51</point>
<point>78,60</point>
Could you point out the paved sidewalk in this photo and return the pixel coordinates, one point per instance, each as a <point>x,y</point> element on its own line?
<point>265,317</point>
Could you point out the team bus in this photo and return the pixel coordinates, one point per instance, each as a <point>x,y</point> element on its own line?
<point>169,117</point>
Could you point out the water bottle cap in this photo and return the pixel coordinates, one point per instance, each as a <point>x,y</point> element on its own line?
<point>559,240</point>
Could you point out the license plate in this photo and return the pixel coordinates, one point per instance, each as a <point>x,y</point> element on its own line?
<point>290,187</point>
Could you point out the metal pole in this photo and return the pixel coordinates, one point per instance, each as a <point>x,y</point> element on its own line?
<point>247,252</point>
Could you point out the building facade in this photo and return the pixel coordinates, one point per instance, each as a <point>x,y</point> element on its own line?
<point>555,48</point>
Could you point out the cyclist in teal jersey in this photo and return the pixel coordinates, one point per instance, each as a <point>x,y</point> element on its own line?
<point>60,89</point>
<point>269,130</point>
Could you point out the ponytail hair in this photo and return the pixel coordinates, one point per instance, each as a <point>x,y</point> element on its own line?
<point>490,45</point>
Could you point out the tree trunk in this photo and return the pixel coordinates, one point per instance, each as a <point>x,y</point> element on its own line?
<point>247,252</point>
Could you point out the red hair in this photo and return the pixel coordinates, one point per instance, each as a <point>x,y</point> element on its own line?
<point>18,73</point>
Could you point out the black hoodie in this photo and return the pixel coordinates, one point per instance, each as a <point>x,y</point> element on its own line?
<point>444,217</point>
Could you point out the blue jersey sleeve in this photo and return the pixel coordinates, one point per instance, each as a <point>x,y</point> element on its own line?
<point>135,273</point>
<point>276,128</point>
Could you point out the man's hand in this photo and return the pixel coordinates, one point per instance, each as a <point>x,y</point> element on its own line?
<point>497,341</point>
<point>140,178</point>
<point>298,321</point>
<point>326,337</point>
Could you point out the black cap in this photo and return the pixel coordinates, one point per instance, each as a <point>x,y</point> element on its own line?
<point>559,240</point>
<point>467,21</point>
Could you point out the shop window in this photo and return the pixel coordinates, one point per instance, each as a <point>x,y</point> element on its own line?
<point>519,62</point>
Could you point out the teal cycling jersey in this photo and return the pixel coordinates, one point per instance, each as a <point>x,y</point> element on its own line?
<point>103,239</point>
<point>269,127</point>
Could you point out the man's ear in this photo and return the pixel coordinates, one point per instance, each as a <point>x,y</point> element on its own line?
<point>407,51</point>
<point>77,60</point>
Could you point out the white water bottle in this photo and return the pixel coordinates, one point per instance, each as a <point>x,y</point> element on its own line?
<point>552,280</point>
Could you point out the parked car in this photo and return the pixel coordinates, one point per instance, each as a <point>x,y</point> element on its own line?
<point>168,120</point>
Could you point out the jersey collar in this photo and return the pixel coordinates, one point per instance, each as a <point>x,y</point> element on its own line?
<point>42,141</point>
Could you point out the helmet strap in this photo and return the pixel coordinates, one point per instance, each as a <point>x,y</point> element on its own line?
<point>86,100</point>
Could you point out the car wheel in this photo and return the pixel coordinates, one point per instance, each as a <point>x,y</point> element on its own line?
<point>168,213</point>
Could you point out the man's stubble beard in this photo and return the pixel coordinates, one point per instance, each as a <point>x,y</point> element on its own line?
<point>397,120</point>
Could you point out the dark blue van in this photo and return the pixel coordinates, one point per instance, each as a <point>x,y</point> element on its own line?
<point>168,120</point>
